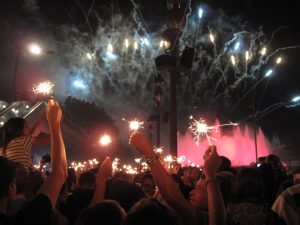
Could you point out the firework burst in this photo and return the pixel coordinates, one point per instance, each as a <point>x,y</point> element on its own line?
<point>43,88</point>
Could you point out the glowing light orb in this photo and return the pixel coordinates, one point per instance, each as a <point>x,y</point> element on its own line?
<point>35,49</point>
<point>134,125</point>
<point>263,51</point>
<point>44,88</point>
<point>237,46</point>
<point>278,60</point>
<point>105,140</point>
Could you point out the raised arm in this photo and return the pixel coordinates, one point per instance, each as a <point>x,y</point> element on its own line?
<point>166,184</point>
<point>53,184</point>
<point>104,172</point>
<point>216,208</point>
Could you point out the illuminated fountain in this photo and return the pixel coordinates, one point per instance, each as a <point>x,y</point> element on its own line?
<point>238,146</point>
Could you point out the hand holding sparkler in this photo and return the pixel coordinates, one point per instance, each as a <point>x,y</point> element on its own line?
<point>212,162</point>
<point>139,141</point>
<point>54,113</point>
<point>105,169</point>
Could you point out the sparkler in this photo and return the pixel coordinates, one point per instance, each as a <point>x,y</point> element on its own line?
<point>44,88</point>
<point>158,150</point>
<point>199,128</point>
<point>105,140</point>
<point>134,125</point>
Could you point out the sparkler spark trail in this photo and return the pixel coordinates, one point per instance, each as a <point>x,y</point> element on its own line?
<point>44,88</point>
<point>199,128</point>
<point>134,125</point>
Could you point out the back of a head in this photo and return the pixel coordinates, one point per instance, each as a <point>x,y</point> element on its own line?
<point>87,179</point>
<point>13,128</point>
<point>107,212</point>
<point>150,212</point>
<point>249,185</point>
<point>22,177</point>
<point>227,181</point>
<point>127,194</point>
<point>7,175</point>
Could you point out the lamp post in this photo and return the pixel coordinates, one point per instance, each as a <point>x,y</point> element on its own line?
<point>170,61</point>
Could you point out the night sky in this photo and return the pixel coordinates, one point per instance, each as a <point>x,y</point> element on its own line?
<point>51,23</point>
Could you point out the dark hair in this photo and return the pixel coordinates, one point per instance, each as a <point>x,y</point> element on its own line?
<point>127,194</point>
<point>12,129</point>
<point>146,176</point>
<point>249,186</point>
<point>87,178</point>
<point>7,175</point>
<point>22,176</point>
<point>149,212</point>
<point>107,212</point>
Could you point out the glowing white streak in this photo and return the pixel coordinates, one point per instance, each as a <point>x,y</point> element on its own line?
<point>212,38</point>
<point>135,46</point>
<point>126,43</point>
<point>161,44</point>
<point>268,73</point>
<point>237,46</point>
<point>232,60</point>
<point>200,13</point>
<point>296,99</point>
<point>247,55</point>
<point>263,51</point>
<point>278,60</point>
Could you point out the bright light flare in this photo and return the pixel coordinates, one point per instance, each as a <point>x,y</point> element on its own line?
<point>44,88</point>
<point>233,60</point>
<point>296,99</point>
<point>35,49</point>
<point>126,43</point>
<point>105,140</point>
<point>278,60</point>
<point>134,125</point>
<point>268,73</point>
<point>158,150</point>
<point>200,13</point>
<point>135,46</point>
<point>212,38</point>
<point>237,46</point>
<point>247,55</point>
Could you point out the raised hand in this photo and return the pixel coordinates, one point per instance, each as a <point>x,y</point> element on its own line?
<point>139,141</point>
<point>105,168</point>
<point>212,162</point>
<point>53,112</point>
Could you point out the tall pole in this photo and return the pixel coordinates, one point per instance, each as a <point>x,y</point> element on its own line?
<point>173,112</point>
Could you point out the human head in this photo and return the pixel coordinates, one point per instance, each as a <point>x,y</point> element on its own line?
<point>194,174</point>
<point>126,193</point>
<point>22,177</point>
<point>149,212</point>
<point>148,184</point>
<point>225,165</point>
<point>13,128</point>
<point>7,179</point>
<point>249,185</point>
<point>274,161</point>
<point>87,180</point>
<point>107,212</point>
<point>198,196</point>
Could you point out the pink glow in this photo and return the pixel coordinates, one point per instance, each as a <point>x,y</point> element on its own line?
<point>238,147</point>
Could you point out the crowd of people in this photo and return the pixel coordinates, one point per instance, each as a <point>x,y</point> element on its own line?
<point>262,193</point>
